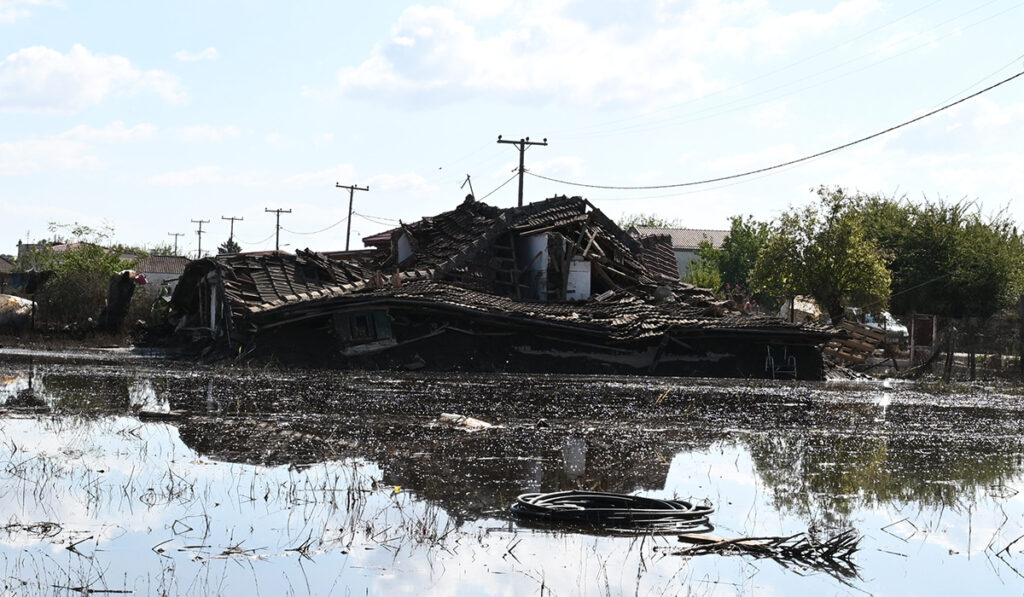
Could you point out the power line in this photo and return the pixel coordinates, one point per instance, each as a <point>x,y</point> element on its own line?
<point>722,109</point>
<point>317,231</point>
<point>259,242</point>
<point>783,164</point>
<point>376,219</point>
<point>499,186</point>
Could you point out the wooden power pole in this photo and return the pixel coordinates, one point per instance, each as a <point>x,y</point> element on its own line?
<point>175,235</point>
<point>351,192</point>
<point>277,228</point>
<point>521,145</point>
<point>199,233</point>
<point>231,236</point>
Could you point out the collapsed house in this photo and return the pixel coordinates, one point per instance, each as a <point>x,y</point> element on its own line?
<point>554,286</point>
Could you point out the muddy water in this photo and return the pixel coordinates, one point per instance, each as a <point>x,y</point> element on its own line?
<point>276,482</point>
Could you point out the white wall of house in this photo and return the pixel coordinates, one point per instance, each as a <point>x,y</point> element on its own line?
<point>684,257</point>
<point>578,287</point>
<point>404,247</point>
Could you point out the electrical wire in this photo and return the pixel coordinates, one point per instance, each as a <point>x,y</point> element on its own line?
<point>724,108</point>
<point>259,242</point>
<point>582,130</point>
<point>783,164</point>
<point>377,219</point>
<point>503,184</point>
<point>316,231</point>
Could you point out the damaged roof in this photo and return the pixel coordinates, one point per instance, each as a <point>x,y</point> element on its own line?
<point>638,294</point>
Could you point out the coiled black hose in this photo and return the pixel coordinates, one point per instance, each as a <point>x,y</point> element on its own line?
<point>615,511</point>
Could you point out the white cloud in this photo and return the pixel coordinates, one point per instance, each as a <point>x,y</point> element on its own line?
<point>207,54</point>
<point>481,8</point>
<point>560,167</point>
<point>42,80</point>
<point>114,132</point>
<point>343,173</point>
<point>435,54</point>
<point>323,140</point>
<point>32,156</point>
<point>774,115</point>
<point>70,150</point>
<point>208,175</point>
<point>14,10</point>
<point>186,178</point>
<point>279,140</point>
<point>408,182</point>
<point>740,162</point>
<point>204,132</point>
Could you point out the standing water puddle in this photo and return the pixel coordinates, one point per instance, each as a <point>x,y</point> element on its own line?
<point>343,483</point>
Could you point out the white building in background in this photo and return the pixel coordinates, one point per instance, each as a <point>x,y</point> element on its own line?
<point>685,242</point>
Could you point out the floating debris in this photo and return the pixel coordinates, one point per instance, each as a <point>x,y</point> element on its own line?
<point>832,554</point>
<point>615,512</point>
<point>463,422</point>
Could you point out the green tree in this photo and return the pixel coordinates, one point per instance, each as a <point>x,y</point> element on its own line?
<point>824,251</point>
<point>740,249</point>
<point>229,247</point>
<point>704,271</point>
<point>78,289</point>
<point>649,220</point>
<point>948,260</point>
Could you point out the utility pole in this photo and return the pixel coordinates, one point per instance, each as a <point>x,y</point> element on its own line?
<point>175,235</point>
<point>277,230</point>
<point>351,192</point>
<point>199,233</point>
<point>232,218</point>
<point>521,145</point>
<point>470,183</point>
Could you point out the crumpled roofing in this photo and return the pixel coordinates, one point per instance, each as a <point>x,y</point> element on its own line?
<point>616,315</point>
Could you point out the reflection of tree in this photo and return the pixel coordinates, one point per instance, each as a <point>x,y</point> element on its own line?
<point>824,477</point>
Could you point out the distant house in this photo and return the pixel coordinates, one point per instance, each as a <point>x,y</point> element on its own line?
<point>6,264</point>
<point>685,242</point>
<point>162,268</point>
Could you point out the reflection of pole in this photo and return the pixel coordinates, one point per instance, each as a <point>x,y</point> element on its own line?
<point>351,192</point>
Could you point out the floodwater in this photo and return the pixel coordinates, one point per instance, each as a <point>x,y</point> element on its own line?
<point>301,482</point>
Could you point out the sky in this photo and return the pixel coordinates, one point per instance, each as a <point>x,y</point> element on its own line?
<point>144,116</point>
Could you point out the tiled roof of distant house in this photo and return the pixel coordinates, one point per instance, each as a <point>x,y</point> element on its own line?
<point>162,264</point>
<point>6,264</point>
<point>685,238</point>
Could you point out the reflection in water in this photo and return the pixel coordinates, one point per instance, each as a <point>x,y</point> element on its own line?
<point>825,478</point>
<point>302,482</point>
<point>142,396</point>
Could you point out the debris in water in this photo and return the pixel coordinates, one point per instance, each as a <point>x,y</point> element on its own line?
<point>463,422</point>
<point>832,554</point>
<point>614,511</point>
